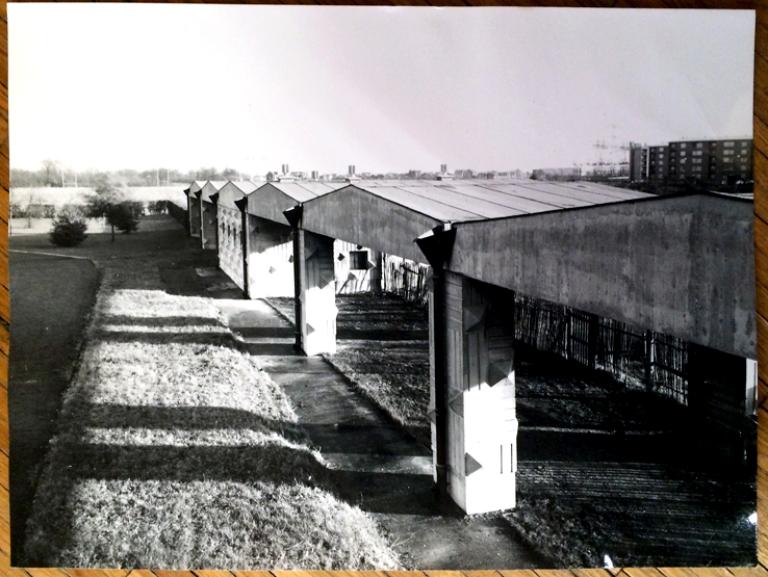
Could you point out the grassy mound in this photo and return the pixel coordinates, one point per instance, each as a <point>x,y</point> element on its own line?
<point>175,451</point>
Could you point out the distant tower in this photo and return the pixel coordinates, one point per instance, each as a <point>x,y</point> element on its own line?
<point>315,175</point>
<point>285,169</point>
<point>351,170</point>
<point>443,169</point>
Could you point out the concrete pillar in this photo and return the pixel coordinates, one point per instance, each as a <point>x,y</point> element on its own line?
<point>473,415</point>
<point>242,205</point>
<point>189,211</point>
<point>750,407</point>
<point>202,223</point>
<point>649,360</point>
<point>194,220</point>
<point>375,272</point>
<point>214,243</point>
<point>208,223</point>
<point>315,288</point>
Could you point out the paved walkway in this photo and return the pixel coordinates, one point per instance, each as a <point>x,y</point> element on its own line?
<point>380,468</point>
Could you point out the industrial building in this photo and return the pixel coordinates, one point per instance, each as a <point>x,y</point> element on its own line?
<point>671,267</point>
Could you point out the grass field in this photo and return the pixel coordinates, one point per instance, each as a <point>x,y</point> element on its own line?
<point>174,450</point>
<point>49,320</point>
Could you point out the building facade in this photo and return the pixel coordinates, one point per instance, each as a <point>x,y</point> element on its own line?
<point>638,161</point>
<point>710,162</point>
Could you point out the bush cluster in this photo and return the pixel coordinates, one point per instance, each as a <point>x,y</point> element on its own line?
<point>68,230</point>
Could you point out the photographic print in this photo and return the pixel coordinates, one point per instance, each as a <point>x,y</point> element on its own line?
<point>334,287</point>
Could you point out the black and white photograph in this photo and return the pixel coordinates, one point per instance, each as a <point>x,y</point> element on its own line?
<point>347,287</point>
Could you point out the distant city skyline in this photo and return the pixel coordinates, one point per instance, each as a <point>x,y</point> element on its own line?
<point>387,89</point>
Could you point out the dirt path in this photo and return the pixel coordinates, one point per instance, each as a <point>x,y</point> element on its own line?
<point>381,469</point>
<point>51,299</point>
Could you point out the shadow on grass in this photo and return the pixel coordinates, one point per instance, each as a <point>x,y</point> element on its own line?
<point>347,438</point>
<point>161,321</point>
<point>220,338</point>
<point>73,461</point>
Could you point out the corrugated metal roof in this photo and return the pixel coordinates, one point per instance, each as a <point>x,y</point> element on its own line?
<point>246,186</point>
<point>304,190</point>
<point>466,200</point>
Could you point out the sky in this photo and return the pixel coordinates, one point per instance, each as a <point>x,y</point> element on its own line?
<point>107,86</point>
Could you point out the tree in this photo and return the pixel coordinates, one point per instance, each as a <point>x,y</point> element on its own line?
<point>68,229</point>
<point>124,217</point>
<point>104,200</point>
<point>51,173</point>
<point>230,174</point>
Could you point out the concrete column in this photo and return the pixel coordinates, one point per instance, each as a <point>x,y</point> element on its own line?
<point>202,224</point>
<point>194,221</point>
<point>319,296</point>
<point>299,285</point>
<point>215,227</point>
<point>189,212</point>
<point>649,360</point>
<point>315,288</point>
<point>472,386</point>
<point>242,205</point>
<point>376,259</point>
<point>750,405</point>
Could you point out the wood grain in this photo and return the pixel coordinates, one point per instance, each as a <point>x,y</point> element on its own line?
<point>761,236</point>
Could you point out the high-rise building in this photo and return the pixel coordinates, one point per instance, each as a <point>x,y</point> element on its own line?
<point>712,162</point>
<point>658,167</point>
<point>638,161</point>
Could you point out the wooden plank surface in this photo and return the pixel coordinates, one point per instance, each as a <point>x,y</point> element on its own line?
<point>761,228</point>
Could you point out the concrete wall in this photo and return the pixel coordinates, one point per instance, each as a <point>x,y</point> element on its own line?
<point>194,216</point>
<point>350,280</point>
<point>230,243</point>
<point>682,266</point>
<point>270,262</point>
<point>209,226</point>
<point>268,202</point>
<point>360,217</point>
<point>228,194</point>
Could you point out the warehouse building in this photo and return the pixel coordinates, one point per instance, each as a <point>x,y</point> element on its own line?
<point>635,258</point>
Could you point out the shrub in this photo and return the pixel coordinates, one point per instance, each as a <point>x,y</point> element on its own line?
<point>68,230</point>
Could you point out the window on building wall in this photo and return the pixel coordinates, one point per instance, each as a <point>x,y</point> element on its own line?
<point>358,259</point>
<point>729,144</point>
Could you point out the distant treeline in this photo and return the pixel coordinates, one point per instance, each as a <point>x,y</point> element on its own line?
<point>137,207</point>
<point>54,175</point>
